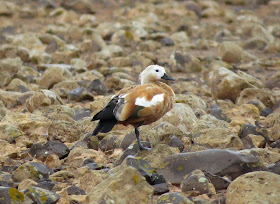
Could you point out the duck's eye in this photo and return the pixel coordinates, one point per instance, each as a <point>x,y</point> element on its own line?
<point>157,70</point>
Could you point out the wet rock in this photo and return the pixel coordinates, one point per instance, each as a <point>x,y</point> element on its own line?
<point>185,63</point>
<point>42,99</point>
<point>112,188</point>
<point>11,65</point>
<point>9,132</point>
<point>173,197</point>
<point>97,86</point>
<point>263,95</point>
<point>42,151</point>
<point>218,138</point>
<point>230,52</point>
<point>31,170</point>
<point>40,195</point>
<point>219,162</point>
<point>254,187</point>
<point>196,181</point>
<point>80,94</point>
<point>226,84</point>
<point>53,75</point>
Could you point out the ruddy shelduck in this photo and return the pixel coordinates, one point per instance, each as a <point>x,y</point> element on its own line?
<point>139,104</point>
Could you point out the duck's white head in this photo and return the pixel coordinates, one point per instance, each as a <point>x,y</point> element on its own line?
<point>153,73</point>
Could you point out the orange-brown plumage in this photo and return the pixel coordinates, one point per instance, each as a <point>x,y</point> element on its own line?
<point>138,105</point>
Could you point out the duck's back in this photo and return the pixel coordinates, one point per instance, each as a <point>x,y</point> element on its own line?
<point>144,104</point>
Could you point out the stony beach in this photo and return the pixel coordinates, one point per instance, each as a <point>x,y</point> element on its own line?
<point>62,61</point>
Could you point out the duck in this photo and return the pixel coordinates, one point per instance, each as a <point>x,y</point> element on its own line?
<point>138,105</point>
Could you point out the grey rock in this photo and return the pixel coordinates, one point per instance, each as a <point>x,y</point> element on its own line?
<point>75,190</point>
<point>275,168</point>
<point>31,170</point>
<point>167,42</point>
<point>218,181</point>
<point>97,86</point>
<point>80,94</point>
<point>174,197</point>
<point>42,151</point>
<point>11,65</point>
<point>196,181</point>
<point>40,195</point>
<point>176,142</point>
<point>215,161</point>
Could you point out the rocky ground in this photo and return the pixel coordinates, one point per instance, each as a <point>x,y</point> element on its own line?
<point>61,61</point>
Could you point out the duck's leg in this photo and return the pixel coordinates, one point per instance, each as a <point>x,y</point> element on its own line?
<point>139,142</point>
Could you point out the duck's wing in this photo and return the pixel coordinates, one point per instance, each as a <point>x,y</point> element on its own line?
<point>141,102</point>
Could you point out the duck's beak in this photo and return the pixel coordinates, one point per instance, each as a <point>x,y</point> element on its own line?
<point>166,77</point>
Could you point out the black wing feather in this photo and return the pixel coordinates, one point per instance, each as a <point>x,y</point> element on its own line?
<point>106,118</point>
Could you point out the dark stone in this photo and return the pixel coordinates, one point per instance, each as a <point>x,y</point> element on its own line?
<point>131,150</point>
<point>247,129</point>
<point>109,142</point>
<point>275,168</point>
<point>128,140</point>
<point>216,111</point>
<point>92,165</point>
<point>40,195</point>
<point>9,169</point>
<point>160,188</point>
<point>275,144</point>
<point>97,86</point>
<point>218,181</point>
<point>22,89</point>
<point>247,142</point>
<point>167,42</point>
<point>74,190</point>
<point>176,142</point>
<point>88,161</point>
<point>221,200</point>
<point>266,111</point>
<point>42,151</point>
<point>174,198</point>
<point>5,184</point>
<point>79,114</point>
<point>46,184</point>
<point>5,195</point>
<point>220,162</point>
<point>80,94</point>
<point>193,183</point>
<point>145,169</point>
<point>51,47</point>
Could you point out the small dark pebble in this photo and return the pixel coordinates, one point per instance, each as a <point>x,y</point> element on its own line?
<point>97,86</point>
<point>75,190</point>
<point>275,144</point>
<point>176,142</point>
<point>266,111</point>
<point>46,184</point>
<point>167,42</point>
<point>160,188</point>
